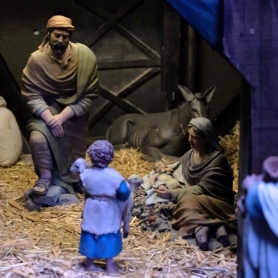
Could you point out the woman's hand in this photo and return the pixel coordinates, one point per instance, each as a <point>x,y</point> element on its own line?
<point>164,193</point>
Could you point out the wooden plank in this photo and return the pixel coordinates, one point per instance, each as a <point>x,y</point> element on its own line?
<point>124,104</point>
<point>126,91</point>
<point>189,56</point>
<point>112,22</point>
<point>118,64</point>
<point>137,42</point>
<point>171,54</point>
<point>139,81</point>
<point>245,158</point>
<point>101,109</point>
<point>131,5</point>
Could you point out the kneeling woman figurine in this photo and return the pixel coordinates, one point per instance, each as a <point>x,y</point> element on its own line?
<point>104,189</point>
<point>206,206</point>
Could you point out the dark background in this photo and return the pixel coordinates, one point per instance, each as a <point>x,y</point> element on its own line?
<point>144,50</point>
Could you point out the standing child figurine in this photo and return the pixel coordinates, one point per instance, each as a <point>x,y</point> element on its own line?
<point>105,189</point>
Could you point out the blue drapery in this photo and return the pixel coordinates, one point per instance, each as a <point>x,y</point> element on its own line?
<point>246,32</point>
<point>206,16</point>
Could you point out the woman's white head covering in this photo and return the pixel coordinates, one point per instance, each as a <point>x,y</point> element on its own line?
<point>205,127</point>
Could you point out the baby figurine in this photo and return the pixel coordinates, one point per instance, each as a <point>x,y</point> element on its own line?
<point>161,178</point>
<point>161,169</point>
<point>105,192</point>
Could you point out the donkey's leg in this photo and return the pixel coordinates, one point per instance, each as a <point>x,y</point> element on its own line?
<point>151,154</point>
<point>117,133</point>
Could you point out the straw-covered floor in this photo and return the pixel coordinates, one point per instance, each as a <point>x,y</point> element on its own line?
<point>45,243</point>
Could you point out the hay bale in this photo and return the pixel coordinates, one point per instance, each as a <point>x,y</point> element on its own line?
<point>45,243</point>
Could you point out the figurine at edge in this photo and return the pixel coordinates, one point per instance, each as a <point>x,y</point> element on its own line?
<point>105,192</point>
<point>59,84</point>
<point>258,206</point>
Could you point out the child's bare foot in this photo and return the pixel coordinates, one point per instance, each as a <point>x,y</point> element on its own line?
<point>88,265</point>
<point>93,268</point>
<point>112,269</point>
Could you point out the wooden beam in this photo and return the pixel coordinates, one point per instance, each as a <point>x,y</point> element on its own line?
<point>125,91</point>
<point>119,64</point>
<point>245,158</point>
<point>122,103</point>
<point>189,53</point>
<point>140,80</point>
<point>137,42</point>
<point>171,54</point>
<point>112,22</point>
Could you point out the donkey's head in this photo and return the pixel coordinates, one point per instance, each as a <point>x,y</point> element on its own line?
<point>198,102</point>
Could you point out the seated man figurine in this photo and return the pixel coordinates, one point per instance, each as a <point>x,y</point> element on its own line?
<point>59,84</point>
<point>258,204</point>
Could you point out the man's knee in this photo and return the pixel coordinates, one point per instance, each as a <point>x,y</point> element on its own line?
<point>41,153</point>
<point>37,137</point>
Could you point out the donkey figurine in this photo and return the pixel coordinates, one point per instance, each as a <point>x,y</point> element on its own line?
<point>162,134</point>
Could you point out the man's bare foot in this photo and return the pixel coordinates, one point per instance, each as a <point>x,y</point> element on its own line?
<point>41,186</point>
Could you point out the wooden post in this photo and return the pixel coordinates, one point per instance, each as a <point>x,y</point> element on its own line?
<point>245,158</point>
<point>171,56</point>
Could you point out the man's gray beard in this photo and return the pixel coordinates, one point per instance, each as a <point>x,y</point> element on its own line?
<point>58,47</point>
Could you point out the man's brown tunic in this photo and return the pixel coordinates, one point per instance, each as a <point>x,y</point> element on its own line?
<point>49,84</point>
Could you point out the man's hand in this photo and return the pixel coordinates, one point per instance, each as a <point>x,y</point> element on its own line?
<point>57,132</point>
<point>55,122</point>
<point>164,193</point>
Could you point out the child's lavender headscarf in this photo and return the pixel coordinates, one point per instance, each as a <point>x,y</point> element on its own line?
<point>101,153</point>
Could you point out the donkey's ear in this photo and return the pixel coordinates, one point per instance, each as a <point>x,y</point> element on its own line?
<point>186,93</point>
<point>208,94</point>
